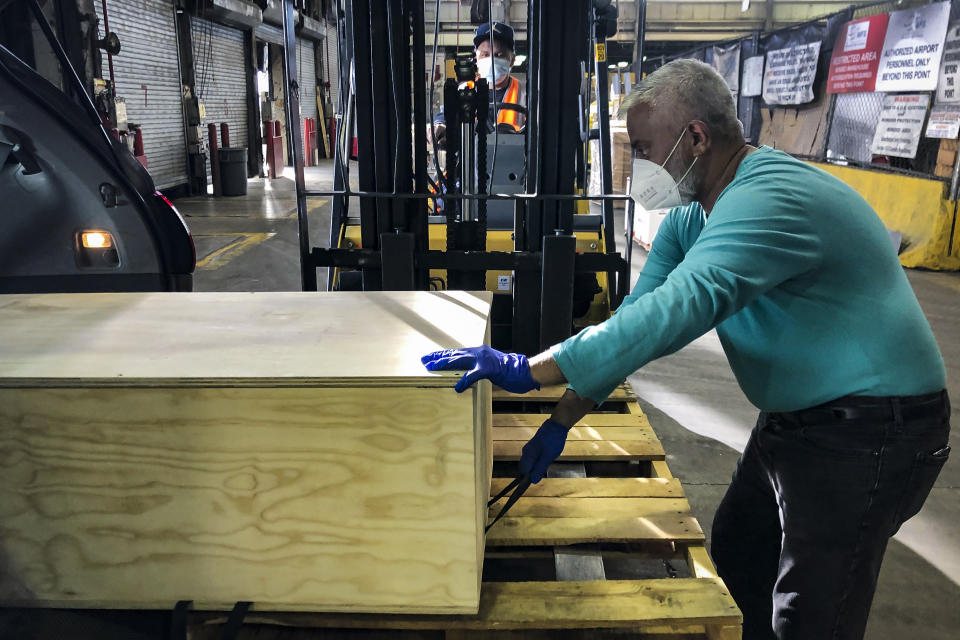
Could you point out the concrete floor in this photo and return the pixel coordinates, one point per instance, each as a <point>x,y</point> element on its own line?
<point>692,398</point>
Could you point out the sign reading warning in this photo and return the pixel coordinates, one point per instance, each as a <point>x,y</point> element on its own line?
<point>912,48</point>
<point>790,74</point>
<point>856,55</point>
<point>901,123</point>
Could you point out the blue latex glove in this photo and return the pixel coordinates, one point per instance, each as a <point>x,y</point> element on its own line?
<point>509,371</point>
<point>544,447</point>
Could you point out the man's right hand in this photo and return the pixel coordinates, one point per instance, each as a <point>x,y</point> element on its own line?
<point>441,134</point>
<point>509,371</point>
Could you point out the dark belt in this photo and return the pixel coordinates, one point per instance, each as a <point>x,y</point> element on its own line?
<point>875,409</point>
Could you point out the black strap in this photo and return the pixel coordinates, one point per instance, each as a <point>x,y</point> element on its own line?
<point>896,408</point>
<point>235,621</point>
<point>522,483</point>
<point>178,620</point>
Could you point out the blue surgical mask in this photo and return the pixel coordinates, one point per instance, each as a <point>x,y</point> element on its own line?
<point>493,69</point>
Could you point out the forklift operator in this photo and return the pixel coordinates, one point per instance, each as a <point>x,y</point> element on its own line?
<point>507,90</point>
<point>821,327</point>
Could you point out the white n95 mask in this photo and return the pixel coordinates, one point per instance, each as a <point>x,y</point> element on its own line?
<point>493,69</point>
<point>652,186</point>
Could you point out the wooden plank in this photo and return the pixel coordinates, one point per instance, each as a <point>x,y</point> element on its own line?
<point>597,488</point>
<point>598,604</point>
<point>312,499</point>
<point>660,469</point>
<point>554,393</point>
<point>589,420</point>
<point>580,434</point>
<point>724,632</point>
<point>610,508</point>
<point>233,339</point>
<point>700,563</point>
<point>588,451</point>
<point>482,463</point>
<point>526,531</point>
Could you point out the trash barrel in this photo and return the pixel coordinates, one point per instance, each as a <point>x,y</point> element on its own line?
<point>233,171</point>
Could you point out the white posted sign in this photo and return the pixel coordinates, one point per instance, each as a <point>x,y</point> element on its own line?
<point>726,60</point>
<point>790,74</point>
<point>912,49</point>
<point>752,84</point>
<point>948,87</point>
<point>901,123</point>
<point>944,122</point>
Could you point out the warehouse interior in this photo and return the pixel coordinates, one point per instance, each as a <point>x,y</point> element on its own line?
<point>250,170</point>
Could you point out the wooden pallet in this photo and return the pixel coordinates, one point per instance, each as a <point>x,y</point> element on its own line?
<point>575,522</point>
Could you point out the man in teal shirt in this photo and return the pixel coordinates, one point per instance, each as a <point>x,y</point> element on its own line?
<point>822,329</point>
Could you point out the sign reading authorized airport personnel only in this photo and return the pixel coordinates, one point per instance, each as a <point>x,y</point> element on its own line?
<point>856,55</point>
<point>790,74</point>
<point>912,49</point>
<point>901,123</point>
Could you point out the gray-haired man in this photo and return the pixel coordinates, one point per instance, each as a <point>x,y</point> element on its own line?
<point>822,329</point>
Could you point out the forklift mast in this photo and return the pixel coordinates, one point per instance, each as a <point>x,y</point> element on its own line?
<point>383,98</point>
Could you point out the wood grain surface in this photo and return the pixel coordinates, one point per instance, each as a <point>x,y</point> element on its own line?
<point>589,451</point>
<point>589,420</point>
<point>321,499</point>
<point>597,488</point>
<point>231,339</point>
<point>555,392</point>
<point>606,604</point>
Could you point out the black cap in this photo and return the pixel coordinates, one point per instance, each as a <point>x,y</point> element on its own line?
<point>502,32</point>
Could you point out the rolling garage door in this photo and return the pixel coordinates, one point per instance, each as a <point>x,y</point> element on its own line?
<point>147,72</point>
<point>307,78</point>
<point>221,82</point>
<point>331,64</point>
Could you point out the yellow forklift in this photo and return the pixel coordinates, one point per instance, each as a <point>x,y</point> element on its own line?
<point>509,211</point>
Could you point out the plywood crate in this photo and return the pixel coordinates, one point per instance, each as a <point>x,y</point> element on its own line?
<point>287,449</point>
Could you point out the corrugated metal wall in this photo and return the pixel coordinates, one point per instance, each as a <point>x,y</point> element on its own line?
<point>220,69</point>
<point>147,72</point>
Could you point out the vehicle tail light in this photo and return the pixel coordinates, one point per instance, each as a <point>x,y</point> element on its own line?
<point>193,247</point>
<point>96,240</point>
<point>96,248</point>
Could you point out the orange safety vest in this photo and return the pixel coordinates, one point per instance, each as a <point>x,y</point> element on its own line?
<point>509,116</point>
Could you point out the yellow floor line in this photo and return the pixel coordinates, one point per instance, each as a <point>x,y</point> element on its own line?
<point>225,254</point>
<point>310,209</point>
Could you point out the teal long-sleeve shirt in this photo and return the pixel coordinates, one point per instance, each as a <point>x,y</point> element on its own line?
<point>798,275</point>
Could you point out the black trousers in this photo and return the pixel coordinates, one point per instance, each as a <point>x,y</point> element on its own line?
<point>816,495</point>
